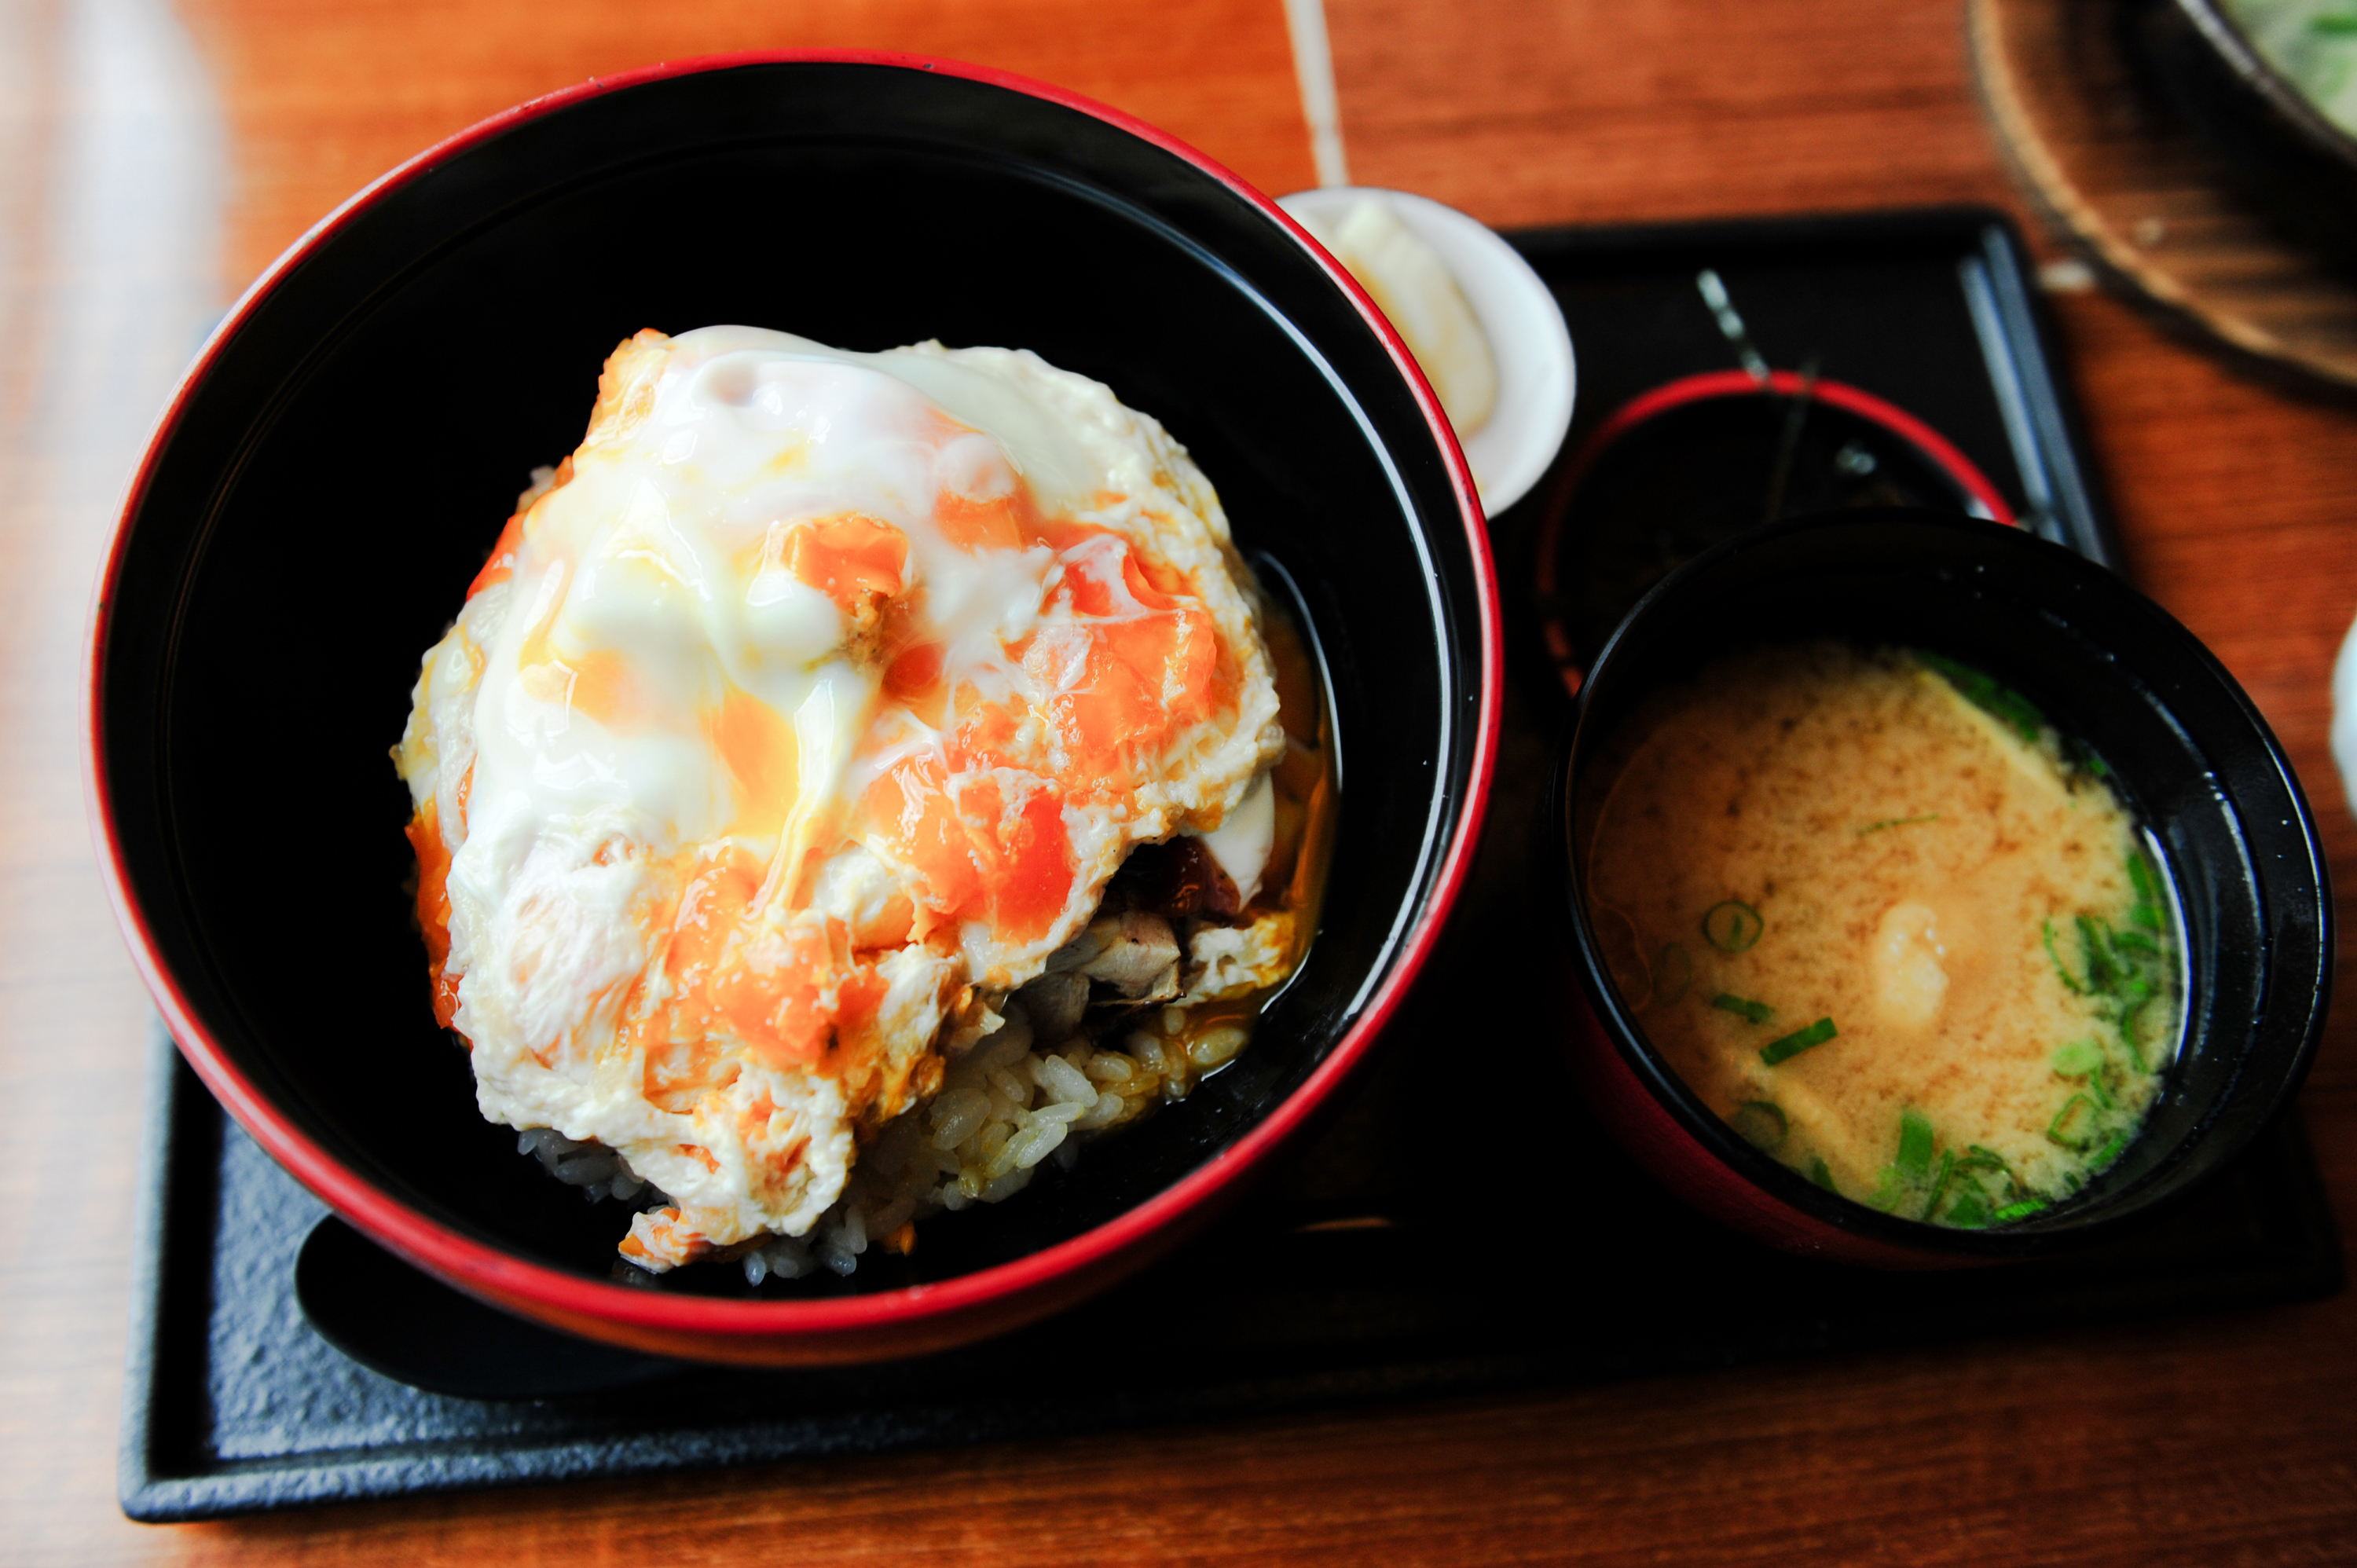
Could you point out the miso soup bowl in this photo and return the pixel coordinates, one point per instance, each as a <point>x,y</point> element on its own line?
<point>340,458</point>
<point>2189,754</point>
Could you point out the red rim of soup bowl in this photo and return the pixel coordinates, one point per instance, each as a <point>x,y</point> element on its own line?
<point>1647,1132</point>
<point>1936,448</point>
<point>906,1321</point>
<point>1608,1078</point>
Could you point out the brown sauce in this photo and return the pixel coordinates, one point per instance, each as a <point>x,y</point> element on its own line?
<point>1191,1042</point>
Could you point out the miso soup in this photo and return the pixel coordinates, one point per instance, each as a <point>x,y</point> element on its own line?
<point>1891,925</point>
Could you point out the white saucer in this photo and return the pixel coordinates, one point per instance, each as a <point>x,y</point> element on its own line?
<point>1536,375</point>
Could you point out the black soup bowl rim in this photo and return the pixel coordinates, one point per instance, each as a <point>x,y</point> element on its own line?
<point>2295,984</point>
<point>1472,697</point>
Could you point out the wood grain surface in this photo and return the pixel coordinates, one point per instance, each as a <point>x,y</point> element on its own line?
<point>2221,1439</point>
<point>324,97</point>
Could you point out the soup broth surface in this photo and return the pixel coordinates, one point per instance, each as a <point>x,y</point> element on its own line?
<point>1871,910</point>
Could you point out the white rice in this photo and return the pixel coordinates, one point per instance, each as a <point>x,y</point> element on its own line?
<point>1003,1109</point>
<point>1008,1105</point>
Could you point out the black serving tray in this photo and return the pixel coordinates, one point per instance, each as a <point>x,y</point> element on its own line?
<point>1380,1263</point>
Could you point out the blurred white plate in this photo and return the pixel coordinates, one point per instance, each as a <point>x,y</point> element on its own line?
<point>1536,375</point>
<point>2344,715</point>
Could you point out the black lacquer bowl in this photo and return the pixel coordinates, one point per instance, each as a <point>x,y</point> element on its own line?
<point>2191,756</point>
<point>341,458</point>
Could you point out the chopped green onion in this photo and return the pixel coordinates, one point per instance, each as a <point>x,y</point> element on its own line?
<point>1898,823</point>
<point>2062,971</point>
<point>1732,926</point>
<point>1970,1213</point>
<point>1973,1181</point>
<point>1915,1142</point>
<point>2150,916</point>
<point>1799,1040</point>
<point>2133,996</point>
<point>1685,968</point>
<point>2109,1152</point>
<point>1939,1182</point>
<point>2147,887</point>
<point>1821,1174</point>
<point>2070,1130</point>
<point>1980,1159</point>
<point>1762,1123</point>
<point>1999,701</point>
<point>2022,1211</point>
<point>1742,1007</point>
<point>2136,941</point>
<point>2078,1058</point>
<point>2129,1012</point>
<point>2102,970</point>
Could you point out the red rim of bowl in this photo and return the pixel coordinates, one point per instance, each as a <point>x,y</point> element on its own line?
<point>1942,453</point>
<point>487,1269</point>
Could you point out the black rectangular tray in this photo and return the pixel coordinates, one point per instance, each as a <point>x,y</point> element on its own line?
<point>1929,308</point>
<point>1376,1266</point>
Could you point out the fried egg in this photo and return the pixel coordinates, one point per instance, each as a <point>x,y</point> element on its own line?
<point>794,720</point>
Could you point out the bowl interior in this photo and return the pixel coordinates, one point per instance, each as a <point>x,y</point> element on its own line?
<point>345,459</point>
<point>2113,671</point>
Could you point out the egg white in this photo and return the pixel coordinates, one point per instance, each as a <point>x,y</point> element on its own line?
<point>563,743</point>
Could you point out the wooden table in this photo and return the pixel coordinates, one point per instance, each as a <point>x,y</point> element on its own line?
<point>2214,1440</point>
